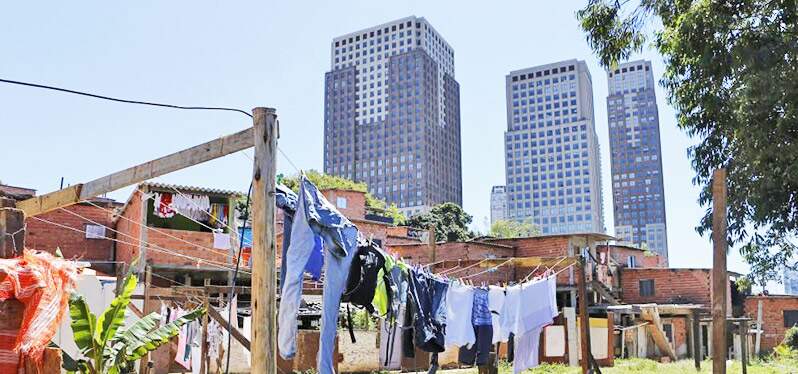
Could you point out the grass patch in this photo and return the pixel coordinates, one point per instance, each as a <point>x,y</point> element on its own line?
<point>637,365</point>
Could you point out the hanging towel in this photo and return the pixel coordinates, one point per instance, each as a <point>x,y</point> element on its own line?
<point>221,240</point>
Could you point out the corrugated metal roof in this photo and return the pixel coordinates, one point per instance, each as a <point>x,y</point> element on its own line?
<point>182,188</point>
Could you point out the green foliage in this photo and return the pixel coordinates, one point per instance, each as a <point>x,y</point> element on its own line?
<point>743,285</point>
<point>450,220</point>
<point>730,73</point>
<point>361,320</point>
<point>791,337</point>
<point>513,229</point>
<point>326,181</point>
<point>109,347</point>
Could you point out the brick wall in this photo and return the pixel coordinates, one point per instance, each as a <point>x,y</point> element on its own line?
<point>671,286</point>
<point>130,226</point>
<point>773,308</point>
<point>74,245</point>
<point>621,254</point>
<point>547,246</point>
<point>355,202</point>
<point>175,241</point>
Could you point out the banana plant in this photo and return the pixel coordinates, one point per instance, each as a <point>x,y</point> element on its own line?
<point>109,346</point>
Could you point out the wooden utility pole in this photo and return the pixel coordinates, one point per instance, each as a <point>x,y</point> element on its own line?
<point>696,325</point>
<point>264,275</point>
<point>719,279</point>
<point>584,320</point>
<point>144,367</point>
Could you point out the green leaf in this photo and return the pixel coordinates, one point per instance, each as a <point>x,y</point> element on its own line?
<point>116,351</point>
<point>83,324</point>
<point>114,316</point>
<point>139,341</point>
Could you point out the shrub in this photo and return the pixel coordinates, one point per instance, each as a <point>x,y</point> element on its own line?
<point>791,337</point>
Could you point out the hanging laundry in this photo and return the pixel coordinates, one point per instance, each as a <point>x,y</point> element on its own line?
<point>316,216</point>
<point>163,205</point>
<point>496,306</point>
<point>459,329</point>
<point>428,297</point>
<point>218,215</point>
<point>537,309</point>
<point>479,353</point>
<point>221,240</point>
<point>286,200</point>
<point>183,356</point>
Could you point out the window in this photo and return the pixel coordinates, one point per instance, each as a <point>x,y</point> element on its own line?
<point>95,232</point>
<point>340,202</point>
<point>646,287</point>
<point>790,318</point>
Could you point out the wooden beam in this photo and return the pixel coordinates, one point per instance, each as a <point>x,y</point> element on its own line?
<point>264,274</point>
<point>179,160</point>
<point>744,345</point>
<point>238,335</point>
<point>51,201</point>
<point>719,277</point>
<point>204,362</point>
<point>651,314</point>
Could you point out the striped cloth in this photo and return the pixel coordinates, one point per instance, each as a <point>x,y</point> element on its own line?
<point>42,283</point>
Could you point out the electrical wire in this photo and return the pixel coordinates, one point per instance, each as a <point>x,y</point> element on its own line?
<point>127,101</point>
<point>235,278</point>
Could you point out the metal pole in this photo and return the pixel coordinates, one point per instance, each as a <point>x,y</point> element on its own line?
<point>264,280</point>
<point>719,280</point>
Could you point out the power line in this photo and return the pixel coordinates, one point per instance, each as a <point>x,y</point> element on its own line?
<point>127,101</point>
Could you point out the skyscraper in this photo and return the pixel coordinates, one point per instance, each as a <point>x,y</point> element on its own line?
<point>636,157</point>
<point>392,114</point>
<point>498,204</point>
<point>552,162</point>
<point>790,279</point>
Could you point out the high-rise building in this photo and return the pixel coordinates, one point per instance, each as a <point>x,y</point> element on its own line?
<point>392,114</point>
<point>790,281</point>
<point>636,157</point>
<point>552,161</point>
<point>498,204</point>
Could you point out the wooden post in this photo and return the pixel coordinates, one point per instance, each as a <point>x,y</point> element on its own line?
<point>264,281</point>
<point>584,323</point>
<point>433,244</point>
<point>12,229</point>
<point>204,364</point>
<point>696,340</point>
<point>744,345</point>
<point>570,324</point>
<point>759,328</point>
<point>719,280</point>
<point>143,364</point>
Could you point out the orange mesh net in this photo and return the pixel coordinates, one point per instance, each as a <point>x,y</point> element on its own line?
<point>42,283</point>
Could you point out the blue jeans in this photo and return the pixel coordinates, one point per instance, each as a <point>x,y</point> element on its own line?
<point>315,217</point>
<point>286,200</point>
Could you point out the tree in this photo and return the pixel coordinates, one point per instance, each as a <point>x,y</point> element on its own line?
<point>451,222</point>
<point>109,347</point>
<point>513,229</point>
<point>730,73</point>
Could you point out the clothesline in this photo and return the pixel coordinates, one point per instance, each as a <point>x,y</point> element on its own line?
<point>148,245</point>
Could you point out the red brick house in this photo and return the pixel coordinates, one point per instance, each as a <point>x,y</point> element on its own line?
<point>666,286</point>
<point>779,313</point>
<point>179,247</point>
<point>78,230</point>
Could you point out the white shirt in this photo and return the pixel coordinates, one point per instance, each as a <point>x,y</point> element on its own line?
<point>459,305</point>
<point>496,306</point>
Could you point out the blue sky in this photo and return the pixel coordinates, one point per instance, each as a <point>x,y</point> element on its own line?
<point>246,54</point>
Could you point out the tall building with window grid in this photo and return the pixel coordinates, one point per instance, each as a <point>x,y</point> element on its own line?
<point>498,204</point>
<point>392,114</point>
<point>636,157</point>
<point>552,161</point>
